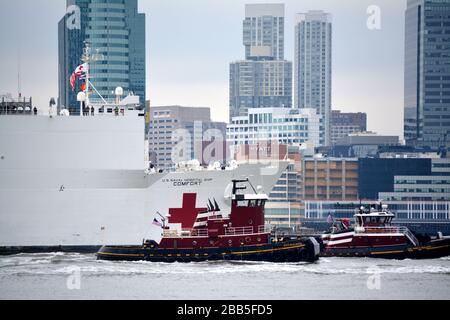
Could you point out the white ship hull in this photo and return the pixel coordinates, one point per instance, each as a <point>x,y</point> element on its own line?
<point>55,193</point>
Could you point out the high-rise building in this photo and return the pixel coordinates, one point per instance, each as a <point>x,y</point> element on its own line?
<point>177,134</point>
<point>264,78</point>
<point>115,32</point>
<point>343,124</point>
<point>427,73</point>
<point>312,76</point>
<point>264,30</point>
<point>260,84</point>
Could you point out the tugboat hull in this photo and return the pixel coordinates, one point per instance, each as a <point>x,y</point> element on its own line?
<point>431,250</point>
<point>306,250</point>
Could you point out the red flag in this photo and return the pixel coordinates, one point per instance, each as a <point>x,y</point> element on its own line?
<point>73,79</point>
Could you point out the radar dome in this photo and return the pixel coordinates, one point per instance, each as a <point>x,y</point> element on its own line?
<point>81,96</point>
<point>119,91</point>
<point>64,113</point>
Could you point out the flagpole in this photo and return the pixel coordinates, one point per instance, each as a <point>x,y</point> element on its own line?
<point>87,60</point>
<point>162,218</point>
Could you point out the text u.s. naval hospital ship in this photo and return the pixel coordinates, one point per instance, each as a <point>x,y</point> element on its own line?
<point>76,183</point>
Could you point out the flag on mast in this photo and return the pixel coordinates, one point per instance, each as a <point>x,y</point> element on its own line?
<point>157,223</point>
<point>79,72</point>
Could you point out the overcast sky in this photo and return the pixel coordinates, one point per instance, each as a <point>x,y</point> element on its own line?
<point>190,44</point>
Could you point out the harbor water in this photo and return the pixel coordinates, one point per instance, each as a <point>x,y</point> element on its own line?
<point>81,276</point>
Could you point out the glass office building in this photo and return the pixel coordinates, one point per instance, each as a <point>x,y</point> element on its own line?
<point>116,33</point>
<point>377,175</point>
<point>427,73</point>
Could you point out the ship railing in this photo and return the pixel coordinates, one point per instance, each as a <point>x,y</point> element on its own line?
<point>199,233</point>
<point>170,234</point>
<point>16,112</point>
<point>245,230</point>
<point>186,233</point>
<point>265,229</point>
<point>412,237</point>
<point>386,229</point>
<point>394,230</point>
<point>238,231</point>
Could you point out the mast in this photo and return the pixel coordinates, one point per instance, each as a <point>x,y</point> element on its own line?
<point>19,86</point>
<point>86,59</point>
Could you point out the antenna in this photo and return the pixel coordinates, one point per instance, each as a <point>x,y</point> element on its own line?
<point>19,87</point>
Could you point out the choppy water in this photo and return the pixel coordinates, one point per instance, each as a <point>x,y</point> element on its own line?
<point>58,276</point>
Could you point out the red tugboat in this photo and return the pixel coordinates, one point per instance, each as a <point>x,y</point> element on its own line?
<point>241,236</point>
<point>373,235</point>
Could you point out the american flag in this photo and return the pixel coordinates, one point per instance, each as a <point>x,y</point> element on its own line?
<point>330,218</point>
<point>157,223</point>
<point>79,72</point>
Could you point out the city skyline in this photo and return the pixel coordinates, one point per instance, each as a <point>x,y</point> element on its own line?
<point>366,79</point>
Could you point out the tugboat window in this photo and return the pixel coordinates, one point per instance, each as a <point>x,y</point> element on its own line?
<point>242,203</point>
<point>253,203</point>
